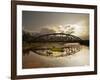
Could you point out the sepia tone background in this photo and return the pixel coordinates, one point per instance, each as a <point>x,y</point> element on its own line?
<point>37,23</point>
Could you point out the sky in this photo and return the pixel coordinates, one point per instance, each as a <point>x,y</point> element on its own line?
<point>50,22</point>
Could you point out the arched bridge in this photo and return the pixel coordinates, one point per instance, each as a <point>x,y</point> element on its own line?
<point>56,37</point>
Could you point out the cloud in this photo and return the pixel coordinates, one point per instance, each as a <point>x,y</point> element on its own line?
<point>46,31</point>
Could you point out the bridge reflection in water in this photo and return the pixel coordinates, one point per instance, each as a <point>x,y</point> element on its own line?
<point>57,50</point>
<point>33,60</point>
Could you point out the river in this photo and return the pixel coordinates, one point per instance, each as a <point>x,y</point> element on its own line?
<point>34,60</point>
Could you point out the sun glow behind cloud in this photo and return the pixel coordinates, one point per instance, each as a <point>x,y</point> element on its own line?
<point>67,28</point>
<point>77,29</point>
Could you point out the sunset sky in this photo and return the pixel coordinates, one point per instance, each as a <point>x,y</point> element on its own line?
<point>46,22</point>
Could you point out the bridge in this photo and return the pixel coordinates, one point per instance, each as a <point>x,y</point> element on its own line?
<point>56,37</point>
